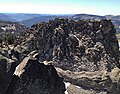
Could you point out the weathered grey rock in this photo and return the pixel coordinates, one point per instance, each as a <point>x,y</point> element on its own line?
<point>33,77</point>
<point>98,82</point>
<point>30,76</point>
<point>7,68</point>
<point>85,52</point>
<point>78,45</point>
<point>73,89</point>
<point>88,50</point>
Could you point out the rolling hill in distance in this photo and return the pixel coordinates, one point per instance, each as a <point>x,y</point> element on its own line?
<point>30,19</point>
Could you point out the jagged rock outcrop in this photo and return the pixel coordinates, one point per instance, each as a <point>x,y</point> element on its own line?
<point>10,56</point>
<point>78,45</point>
<point>30,76</point>
<point>7,68</point>
<point>84,53</point>
<point>87,47</point>
<point>33,77</point>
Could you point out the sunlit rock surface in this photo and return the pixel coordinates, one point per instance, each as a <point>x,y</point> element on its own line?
<point>84,53</point>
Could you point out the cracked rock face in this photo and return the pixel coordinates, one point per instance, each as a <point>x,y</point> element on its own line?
<point>78,45</point>
<point>33,77</point>
<point>84,53</point>
<point>29,76</point>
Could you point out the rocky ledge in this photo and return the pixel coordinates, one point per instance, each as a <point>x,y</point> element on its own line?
<point>84,53</point>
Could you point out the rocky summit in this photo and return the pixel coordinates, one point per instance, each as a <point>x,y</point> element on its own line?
<point>82,54</point>
<point>78,45</point>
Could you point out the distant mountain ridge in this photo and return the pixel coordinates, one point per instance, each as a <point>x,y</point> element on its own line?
<point>30,22</point>
<point>5,17</point>
<point>30,19</point>
<point>115,19</point>
<point>87,16</point>
<point>21,16</point>
<point>42,18</point>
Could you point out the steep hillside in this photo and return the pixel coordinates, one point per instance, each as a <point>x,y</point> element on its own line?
<point>5,17</point>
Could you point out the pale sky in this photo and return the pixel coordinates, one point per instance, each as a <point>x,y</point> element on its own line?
<point>98,7</point>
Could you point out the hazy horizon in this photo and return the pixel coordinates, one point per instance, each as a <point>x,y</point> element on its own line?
<point>95,7</point>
